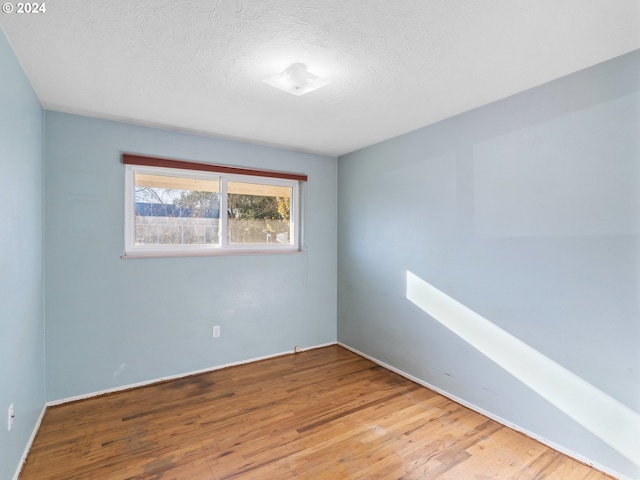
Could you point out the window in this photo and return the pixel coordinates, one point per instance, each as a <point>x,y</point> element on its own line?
<point>204,209</point>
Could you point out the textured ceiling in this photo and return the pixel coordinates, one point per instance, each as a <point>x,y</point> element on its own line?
<point>395,65</point>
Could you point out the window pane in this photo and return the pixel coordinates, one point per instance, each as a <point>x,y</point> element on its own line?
<point>176,210</point>
<point>259,214</point>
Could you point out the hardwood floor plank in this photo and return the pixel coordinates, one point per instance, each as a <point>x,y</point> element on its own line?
<point>321,414</point>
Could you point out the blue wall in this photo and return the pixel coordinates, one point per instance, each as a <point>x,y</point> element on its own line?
<point>21,274</point>
<point>527,211</point>
<point>114,322</point>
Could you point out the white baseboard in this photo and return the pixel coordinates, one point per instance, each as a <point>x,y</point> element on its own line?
<point>492,416</point>
<point>36,427</point>
<point>180,375</point>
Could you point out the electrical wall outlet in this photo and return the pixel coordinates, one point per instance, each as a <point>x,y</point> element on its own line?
<point>216,331</point>
<point>10,417</point>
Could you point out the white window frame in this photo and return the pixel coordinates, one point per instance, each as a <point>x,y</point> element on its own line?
<point>223,248</point>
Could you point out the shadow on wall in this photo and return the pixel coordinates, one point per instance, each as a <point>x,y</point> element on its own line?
<point>608,419</point>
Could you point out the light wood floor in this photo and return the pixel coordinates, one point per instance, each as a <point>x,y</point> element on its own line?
<point>321,414</point>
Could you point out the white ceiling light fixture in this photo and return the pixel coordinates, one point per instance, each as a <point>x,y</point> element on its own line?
<point>296,80</point>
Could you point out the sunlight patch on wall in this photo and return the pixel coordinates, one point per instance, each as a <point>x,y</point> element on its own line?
<point>607,418</point>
